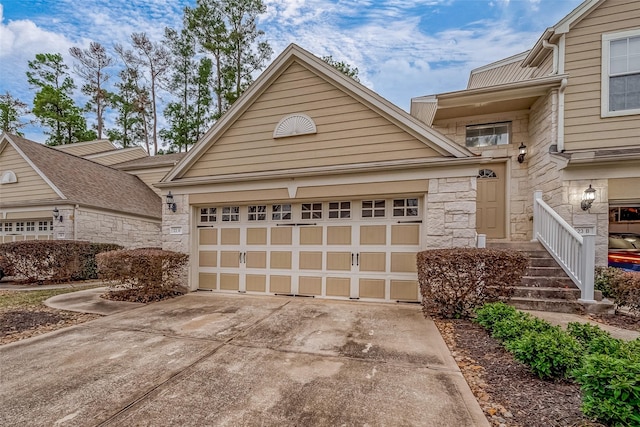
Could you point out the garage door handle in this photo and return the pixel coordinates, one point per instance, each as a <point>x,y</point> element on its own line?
<point>351,259</point>
<point>417,221</point>
<point>357,259</point>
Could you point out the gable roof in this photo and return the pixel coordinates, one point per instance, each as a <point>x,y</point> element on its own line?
<point>151,162</point>
<point>537,54</point>
<point>87,183</point>
<point>293,53</point>
<point>87,147</point>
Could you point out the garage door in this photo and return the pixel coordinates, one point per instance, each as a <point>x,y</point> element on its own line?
<point>364,249</point>
<point>26,229</point>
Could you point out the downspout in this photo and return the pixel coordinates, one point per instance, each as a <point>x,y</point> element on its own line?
<point>560,142</point>
<point>548,45</point>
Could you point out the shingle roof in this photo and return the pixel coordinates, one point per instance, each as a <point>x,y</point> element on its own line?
<point>91,184</point>
<point>151,161</point>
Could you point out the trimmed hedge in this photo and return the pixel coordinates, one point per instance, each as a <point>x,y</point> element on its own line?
<point>607,369</point>
<point>622,286</point>
<point>143,275</point>
<point>51,260</point>
<point>453,282</point>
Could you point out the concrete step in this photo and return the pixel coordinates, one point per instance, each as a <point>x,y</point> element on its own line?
<point>550,271</point>
<point>518,246</point>
<point>547,282</point>
<point>546,293</point>
<point>543,262</point>
<point>561,305</point>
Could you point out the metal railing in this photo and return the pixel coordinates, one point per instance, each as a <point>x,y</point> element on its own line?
<point>573,249</point>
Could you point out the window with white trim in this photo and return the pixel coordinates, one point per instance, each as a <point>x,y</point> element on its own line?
<point>485,135</point>
<point>280,212</point>
<point>312,211</point>
<point>43,225</point>
<point>339,210</point>
<point>31,226</point>
<point>405,207</point>
<point>231,213</point>
<point>258,213</point>
<point>19,226</point>
<point>373,208</point>
<point>208,214</point>
<point>8,227</point>
<point>621,73</point>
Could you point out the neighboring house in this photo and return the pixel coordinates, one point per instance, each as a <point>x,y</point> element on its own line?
<point>574,101</point>
<point>312,184</point>
<point>46,193</point>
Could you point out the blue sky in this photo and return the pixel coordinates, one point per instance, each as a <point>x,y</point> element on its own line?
<point>403,48</point>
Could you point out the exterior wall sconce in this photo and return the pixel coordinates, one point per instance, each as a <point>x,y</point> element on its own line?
<point>522,150</point>
<point>588,197</point>
<point>56,214</point>
<point>170,203</point>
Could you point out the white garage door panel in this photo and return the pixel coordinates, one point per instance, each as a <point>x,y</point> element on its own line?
<point>344,258</point>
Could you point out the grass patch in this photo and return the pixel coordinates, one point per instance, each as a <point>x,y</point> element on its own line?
<point>12,300</point>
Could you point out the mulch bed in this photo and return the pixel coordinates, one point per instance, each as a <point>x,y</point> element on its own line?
<point>507,392</point>
<point>620,320</point>
<point>17,325</point>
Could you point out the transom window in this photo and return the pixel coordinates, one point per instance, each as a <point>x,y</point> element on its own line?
<point>373,208</point>
<point>312,211</point>
<point>280,212</point>
<point>339,210</point>
<point>486,173</point>
<point>488,134</point>
<point>621,73</point>
<point>231,213</point>
<point>405,207</point>
<point>208,214</point>
<point>258,213</point>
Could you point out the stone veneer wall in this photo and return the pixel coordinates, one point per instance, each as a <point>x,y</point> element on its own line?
<point>451,213</point>
<point>180,218</point>
<point>105,227</point>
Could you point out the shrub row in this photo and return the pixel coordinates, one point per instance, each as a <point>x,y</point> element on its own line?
<point>607,369</point>
<point>453,282</point>
<point>622,286</point>
<point>143,275</point>
<point>51,260</point>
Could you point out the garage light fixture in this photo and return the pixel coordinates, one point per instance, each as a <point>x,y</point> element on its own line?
<point>56,214</point>
<point>170,203</point>
<point>588,197</point>
<point>522,150</point>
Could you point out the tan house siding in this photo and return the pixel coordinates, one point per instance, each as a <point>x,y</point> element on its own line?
<point>30,185</point>
<point>81,149</point>
<point>347,131</point>
<point>584,128</point>
<point>151,177</point>
<point>118,156</point>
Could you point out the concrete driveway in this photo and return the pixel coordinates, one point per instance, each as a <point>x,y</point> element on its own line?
<point>213,359</point>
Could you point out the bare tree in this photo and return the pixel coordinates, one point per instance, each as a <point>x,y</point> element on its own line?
<point>91,66</point>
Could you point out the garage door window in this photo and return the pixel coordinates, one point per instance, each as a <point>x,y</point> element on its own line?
<point>312,211</point>
<point>373,209</point>
<point>280,212</point>
<point>405,207</point>
<point>231,213</point>
<point>31,226</point>
<point>339,210</point>
<point>208,215</point>
<point>258,213</point>
<point>19,226</point>
<point>8,227</point>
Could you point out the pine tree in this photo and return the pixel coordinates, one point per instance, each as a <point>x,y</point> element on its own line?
<point>12,111</point>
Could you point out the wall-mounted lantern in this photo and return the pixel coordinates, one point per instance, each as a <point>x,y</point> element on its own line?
<point>522,151</point>
<point>588,197</point>
<point>171,204</point>
<point>56,214</point>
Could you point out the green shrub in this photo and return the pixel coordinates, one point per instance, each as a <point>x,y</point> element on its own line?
<point>550,353</point>
<point>52,260</point>
<point>509,329</point>
<point>143,275</point>
<point>622,286</point>
<point>610,389</point>
<point>489,314</point>
<point>454,282</point>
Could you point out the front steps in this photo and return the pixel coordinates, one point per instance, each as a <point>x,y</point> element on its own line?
<point>545,286</point>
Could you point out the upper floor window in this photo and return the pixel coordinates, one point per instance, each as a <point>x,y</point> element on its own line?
<point>488,134</point>
<point>621,73</point>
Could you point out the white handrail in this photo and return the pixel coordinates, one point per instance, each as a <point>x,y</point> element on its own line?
<point>574,251</point>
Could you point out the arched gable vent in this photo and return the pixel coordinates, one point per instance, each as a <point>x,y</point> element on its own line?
<point>293,125</point>
<point>8,177</point>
